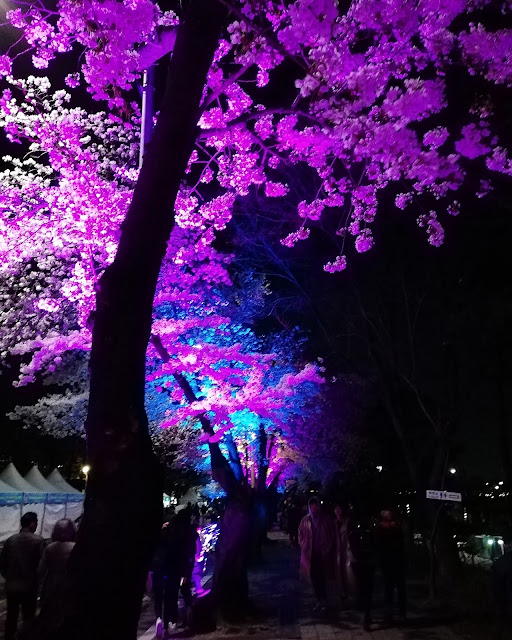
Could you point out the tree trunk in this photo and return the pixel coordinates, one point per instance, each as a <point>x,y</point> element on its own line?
<point>260,506</point>
<point>443,555</point>
<point>122,513</point>
<point>230,582</point>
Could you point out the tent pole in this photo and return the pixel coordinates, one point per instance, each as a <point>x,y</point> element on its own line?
<point>44,513</point>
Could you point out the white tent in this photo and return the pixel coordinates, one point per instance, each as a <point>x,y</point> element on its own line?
<point>33,499</point>
<point>55,507</point>
<point>56,479</point>
<point>75,499</point>
<point>191,496</point>
<point>11,504</point>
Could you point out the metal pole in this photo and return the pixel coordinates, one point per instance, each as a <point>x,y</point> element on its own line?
<point>148,111</point>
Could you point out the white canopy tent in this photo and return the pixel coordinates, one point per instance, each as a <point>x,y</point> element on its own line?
<point>33,499</point>
<point>38,494</point>
<point>55,506</point>
<point>191,496</point>
<point>11,504</point>
<point>75,498</point>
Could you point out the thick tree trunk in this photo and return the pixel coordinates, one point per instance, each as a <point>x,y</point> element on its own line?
<point>122,512</point>
<point>230,582</point>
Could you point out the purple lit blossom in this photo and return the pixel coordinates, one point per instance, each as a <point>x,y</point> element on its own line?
<point>364,241</point>
<point>358,121</point>
<point>434,229</point>
<point>5,66</point>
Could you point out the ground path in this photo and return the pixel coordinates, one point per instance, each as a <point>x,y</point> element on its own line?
<point>285,609</point>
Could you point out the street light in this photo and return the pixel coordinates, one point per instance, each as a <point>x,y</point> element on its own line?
<point>85,470</point>
<point>453,470</point>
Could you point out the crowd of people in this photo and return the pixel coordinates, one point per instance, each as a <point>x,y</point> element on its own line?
<point>35,568</point>
<point>345,548</point>
<point>340,548</point>
<point>32,565</point>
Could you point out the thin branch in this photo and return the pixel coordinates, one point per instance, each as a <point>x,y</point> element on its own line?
<point>228,82</point>
<point>269,37</point>
<point>208,133</point>
<point>421,404</point>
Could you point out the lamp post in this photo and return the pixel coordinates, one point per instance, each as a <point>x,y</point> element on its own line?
<point>85,470</point>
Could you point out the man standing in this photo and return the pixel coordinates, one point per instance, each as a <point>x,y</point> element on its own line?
<point>19,560</point>
<point>391,554</point>
<point>317,543</point>
<point>361,541</point>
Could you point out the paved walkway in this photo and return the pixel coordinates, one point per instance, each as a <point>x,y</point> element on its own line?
<point>284,610</point>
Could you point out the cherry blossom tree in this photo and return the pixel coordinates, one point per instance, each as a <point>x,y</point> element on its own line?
<point>124,485</point>
<point>60,246</point>
<point>357,93</point>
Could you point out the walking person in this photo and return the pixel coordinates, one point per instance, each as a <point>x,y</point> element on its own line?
<point>172,570</point>
<point>391,555</point>
<point>317,543</point>
<point>52,573</point>
<point>19,560</point>
<point>341,523</point>
<point>293,518</point>
<point>362,558</point>
<point>204,511</point>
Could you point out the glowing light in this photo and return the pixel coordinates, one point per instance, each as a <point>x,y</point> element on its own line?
<point>379,468</point>
<point>453,470</point>
<point>208,537</point>
<point>85,469</point>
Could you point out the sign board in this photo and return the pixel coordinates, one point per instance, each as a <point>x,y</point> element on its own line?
<point>451,496</point>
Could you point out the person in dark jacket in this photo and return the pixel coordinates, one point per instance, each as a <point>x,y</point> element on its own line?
<point>293,518</point>
<point>172,568</point>
<point>391,555</point>
<point>19,560</point>
<point>341,523</point>
<point>362,558</point>
<point>52,569</point>
<point>501,574</point>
